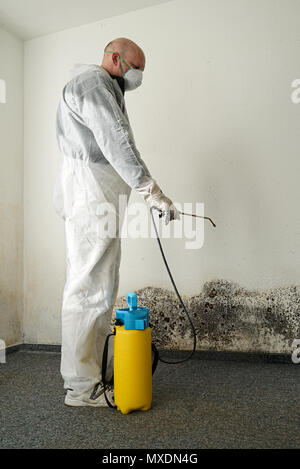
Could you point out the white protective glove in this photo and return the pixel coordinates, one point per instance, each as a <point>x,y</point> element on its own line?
<point>154,196</point>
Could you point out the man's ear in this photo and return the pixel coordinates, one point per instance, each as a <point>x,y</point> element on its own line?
<point>115,57</point>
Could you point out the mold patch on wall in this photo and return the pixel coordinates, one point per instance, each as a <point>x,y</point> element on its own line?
<point>226,317</point>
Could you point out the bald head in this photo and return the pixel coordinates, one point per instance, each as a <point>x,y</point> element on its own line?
<point>129,50</point>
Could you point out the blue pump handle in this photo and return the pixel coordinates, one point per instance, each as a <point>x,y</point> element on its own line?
<point>131,300</point>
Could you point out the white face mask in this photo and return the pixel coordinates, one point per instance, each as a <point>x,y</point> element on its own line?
<point>133,77</point>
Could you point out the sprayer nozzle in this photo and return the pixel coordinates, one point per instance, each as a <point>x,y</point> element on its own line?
<point>198,216</point>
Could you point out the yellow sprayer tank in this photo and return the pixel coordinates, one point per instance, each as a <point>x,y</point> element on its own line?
<point>132,358</point>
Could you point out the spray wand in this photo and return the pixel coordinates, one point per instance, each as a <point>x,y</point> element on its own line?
<point>190,215</point>
<point>198,216</point>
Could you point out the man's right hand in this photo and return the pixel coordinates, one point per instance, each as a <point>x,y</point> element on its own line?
<point>170,212</point>
<point>154,197</point>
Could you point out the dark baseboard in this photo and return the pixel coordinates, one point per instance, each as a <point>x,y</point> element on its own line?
<point>13,348</point>
<point>34,348</point>
<point>178,354</point>
<point>244,356</point>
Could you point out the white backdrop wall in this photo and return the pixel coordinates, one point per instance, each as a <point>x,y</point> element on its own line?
<point>11,190</point>
<point>214,122</point>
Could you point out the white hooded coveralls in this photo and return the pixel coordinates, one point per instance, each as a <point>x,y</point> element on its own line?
<point>100,162</point>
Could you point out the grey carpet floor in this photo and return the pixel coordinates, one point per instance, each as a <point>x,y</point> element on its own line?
<point>197,404</point>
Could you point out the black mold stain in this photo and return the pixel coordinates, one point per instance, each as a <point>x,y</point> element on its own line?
<point>226,317</point>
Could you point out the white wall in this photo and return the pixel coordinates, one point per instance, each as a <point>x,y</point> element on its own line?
<point>11,190</point>
<point>215,124</point>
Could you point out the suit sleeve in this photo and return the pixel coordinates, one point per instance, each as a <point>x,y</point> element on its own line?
<point>111,129</point>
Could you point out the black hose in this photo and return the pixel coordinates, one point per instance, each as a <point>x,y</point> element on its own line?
<point>177,293</point>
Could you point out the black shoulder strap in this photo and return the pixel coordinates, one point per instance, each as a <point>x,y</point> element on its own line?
<point>155,360</point>
<point>104,367</point>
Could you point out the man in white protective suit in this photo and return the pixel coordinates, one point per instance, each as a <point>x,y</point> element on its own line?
<point>100,162</point>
